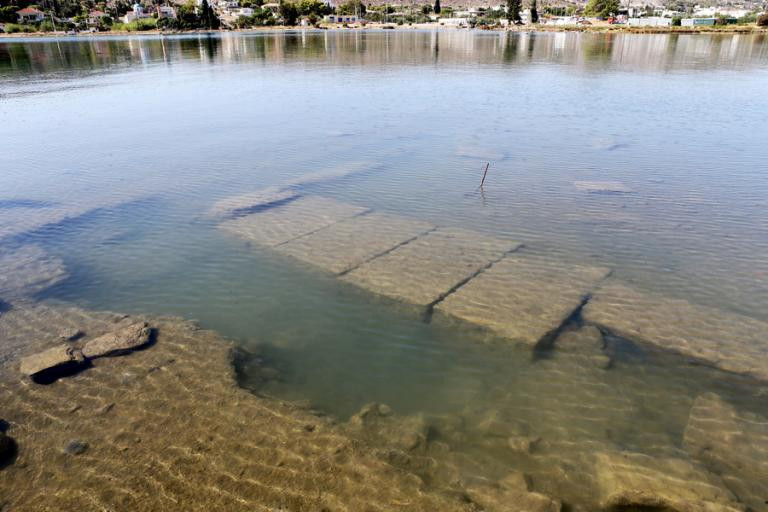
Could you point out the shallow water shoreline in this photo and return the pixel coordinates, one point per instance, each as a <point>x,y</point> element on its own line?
<point>602,29</point>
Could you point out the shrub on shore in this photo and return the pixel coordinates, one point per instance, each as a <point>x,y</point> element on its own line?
<point>136,25</point>
<point>762,20</point>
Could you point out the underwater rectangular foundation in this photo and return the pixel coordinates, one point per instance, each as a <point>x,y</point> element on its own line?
<point>347,244</point>
<point>430,267</point>
<point>725,340</point>
<point>285,222</point>
<point>523,298</point>
<point>31,215</point>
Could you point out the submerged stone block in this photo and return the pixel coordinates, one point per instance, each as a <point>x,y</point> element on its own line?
<point>292,220</point>
<point>28,270</point>
<point>351,242</point>
<point>426,269</point>
<point>733,444</point>
<point>523,298</point>
<point>124,339</point>
<point>334,173</point>
<point>602,187</point>
<point>50,358</point>
<point>728,341</point>
<point>246,203</point>
<point>33,215</point>
<point>634,481</point>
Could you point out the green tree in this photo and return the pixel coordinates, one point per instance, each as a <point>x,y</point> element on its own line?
<point>208,18</point>
<point>602,8</point>
<point>437,7</point>
<point>534,12</point>
<point>351,7</point>
<point>289,12</point>
<point>513,11</point>
<point>316,7</point>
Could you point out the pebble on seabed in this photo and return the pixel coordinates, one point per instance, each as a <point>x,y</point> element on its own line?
<point>76,447</point>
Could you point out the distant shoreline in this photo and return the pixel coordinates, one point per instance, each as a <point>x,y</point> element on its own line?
<point>605,29</point>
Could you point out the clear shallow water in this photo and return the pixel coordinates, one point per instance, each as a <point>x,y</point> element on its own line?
<point>181,122</point>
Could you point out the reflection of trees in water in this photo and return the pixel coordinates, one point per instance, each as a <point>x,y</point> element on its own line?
<point>510,47</point>
<point>459,48</point>
<point>598,47</point>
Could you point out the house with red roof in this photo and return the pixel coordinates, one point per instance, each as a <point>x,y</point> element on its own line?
<point>95,17</point>
<point>30,15</point>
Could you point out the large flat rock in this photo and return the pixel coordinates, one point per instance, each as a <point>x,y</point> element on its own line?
<point>30,215</point>
<point>725,340</point>
<point>297,218</point>
<point>426,269</point>
<point>251,202</point>
<point>47,359</point>
<point>28,270</point>
<point>633,481</point>
<point>347,244</point>
<point>733,444</point>
<point>523,298</point>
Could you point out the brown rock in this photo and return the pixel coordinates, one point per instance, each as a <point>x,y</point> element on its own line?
<point>126,338</point>
<point>636,481</point>
<point>511,494</point>
<point>50,358</point>
<point>732,443</point>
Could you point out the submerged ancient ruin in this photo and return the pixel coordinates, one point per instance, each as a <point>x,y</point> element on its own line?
<point>111,411</point>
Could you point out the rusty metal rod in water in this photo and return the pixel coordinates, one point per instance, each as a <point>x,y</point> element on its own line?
<point>485,173</point>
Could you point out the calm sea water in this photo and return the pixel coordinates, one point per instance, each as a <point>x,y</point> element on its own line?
<point>181,122</point>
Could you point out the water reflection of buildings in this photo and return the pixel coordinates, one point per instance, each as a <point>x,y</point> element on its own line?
<point>589,52</point>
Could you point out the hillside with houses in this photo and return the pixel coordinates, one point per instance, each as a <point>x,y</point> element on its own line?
<point>73,16</point>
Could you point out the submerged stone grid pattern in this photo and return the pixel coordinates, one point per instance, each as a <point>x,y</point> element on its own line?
<point>728,341</point>
<point>283,223</point>
<point>523,298</point>
<point>425,270</point>
<point>349,243</point>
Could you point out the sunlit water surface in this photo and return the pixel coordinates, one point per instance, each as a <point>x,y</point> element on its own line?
<point>181,122</point>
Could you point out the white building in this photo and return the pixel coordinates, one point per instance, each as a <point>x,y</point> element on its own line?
<point>166,11</point>
<point>697,22</point>
<point>454,22</point>
<point>340,18</point>
<point>30,15</point>
<point>653,21</point>
<point>136,14</point>
<point>245,12</point>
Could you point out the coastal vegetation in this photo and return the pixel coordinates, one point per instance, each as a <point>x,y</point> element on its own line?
<point>602,8</point>
<point>119,15</point>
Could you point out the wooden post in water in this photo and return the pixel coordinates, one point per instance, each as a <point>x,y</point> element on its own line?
<point>487,164</point>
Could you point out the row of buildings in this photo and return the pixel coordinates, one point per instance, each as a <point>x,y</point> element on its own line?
<point>231,9</point>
